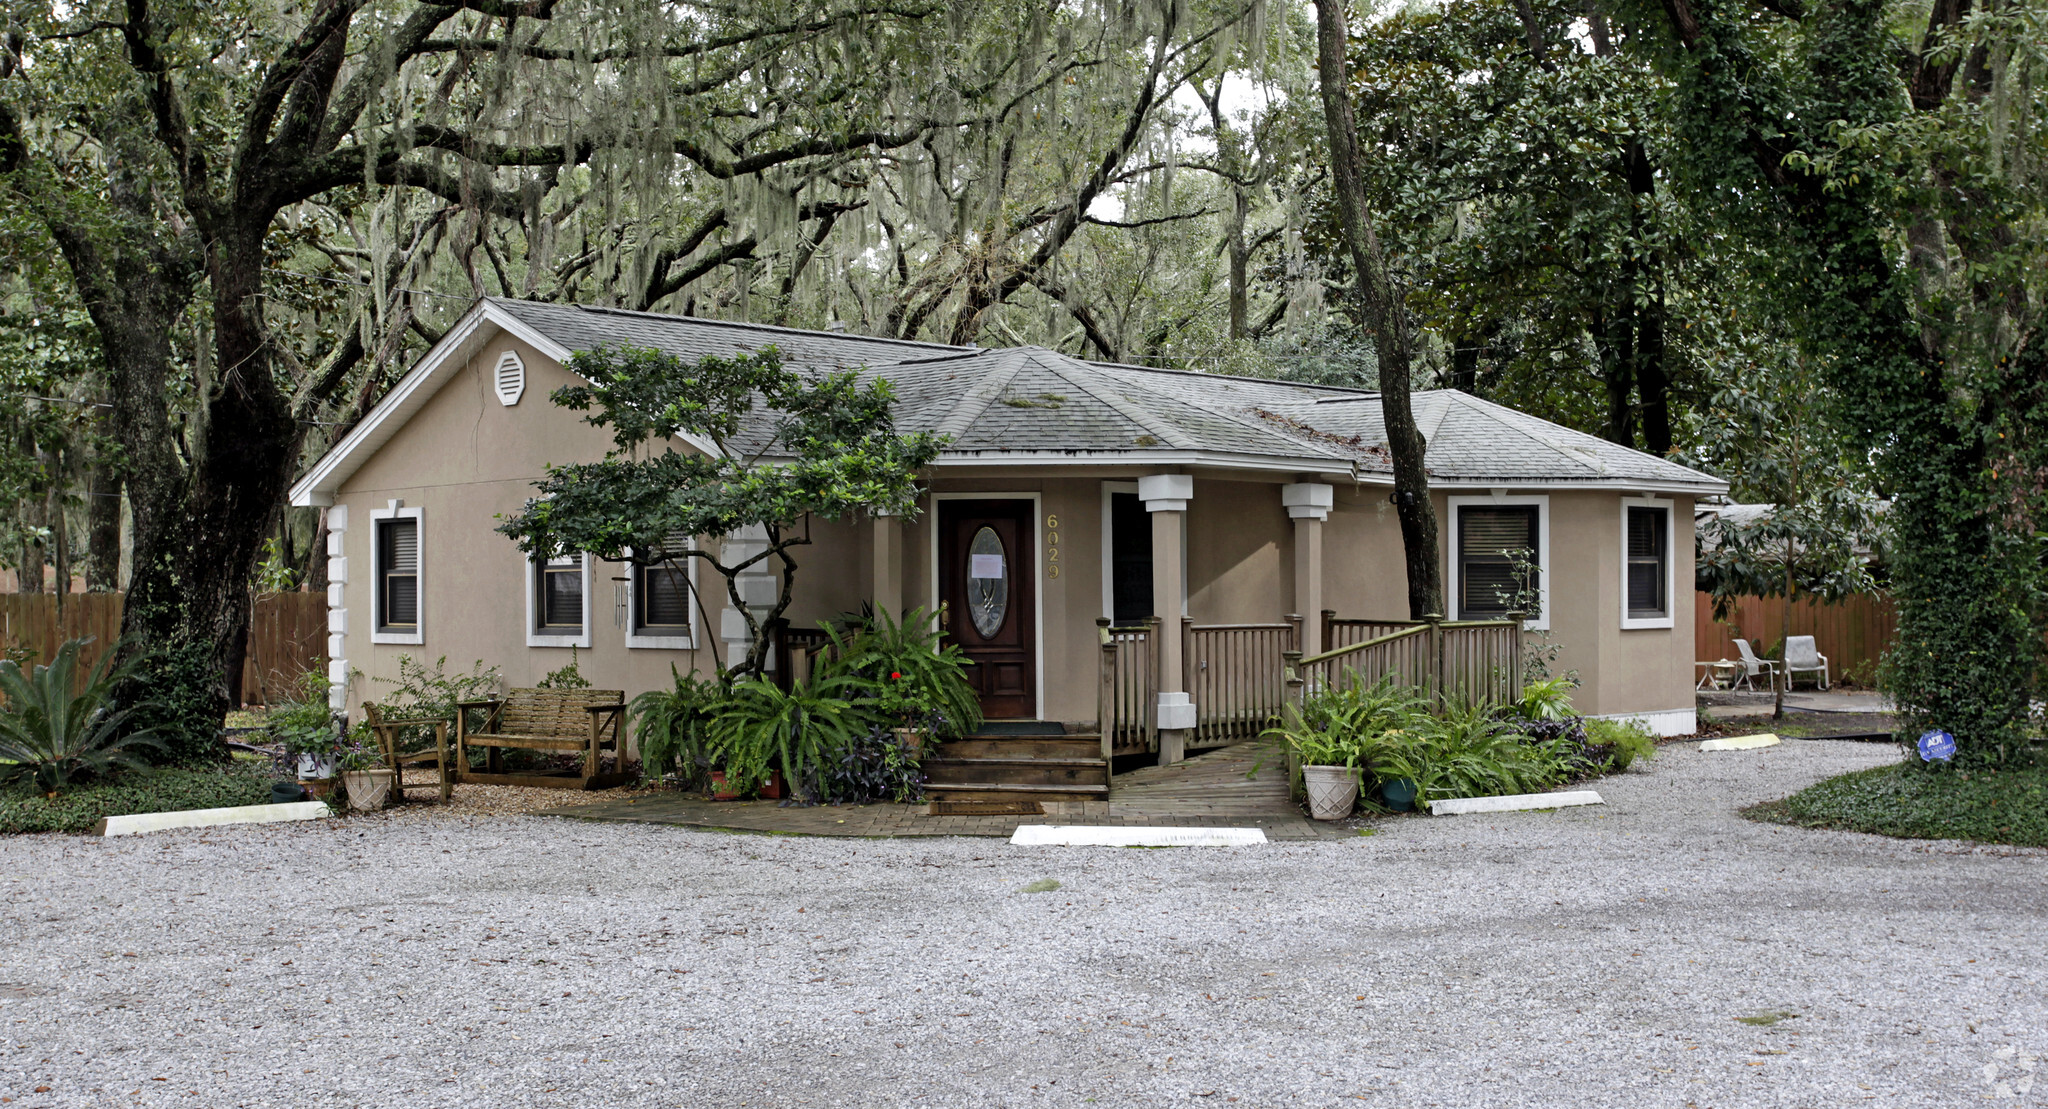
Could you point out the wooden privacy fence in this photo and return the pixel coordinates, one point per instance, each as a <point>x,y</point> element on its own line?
<point>1854,632</point>
<point>287,634</point>
<point>1470,660</point>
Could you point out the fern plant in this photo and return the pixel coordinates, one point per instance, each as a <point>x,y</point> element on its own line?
<point>673,727</point>
<point>918,682</point>
<point>803,731</point>
<point>54,737</point>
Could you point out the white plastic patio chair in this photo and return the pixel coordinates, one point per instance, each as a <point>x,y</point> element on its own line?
<point>1753,666</point>
<point>1802,655</point>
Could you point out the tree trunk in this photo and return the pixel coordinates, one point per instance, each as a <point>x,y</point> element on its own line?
<point>103,530</point>
<point>1386,318</point>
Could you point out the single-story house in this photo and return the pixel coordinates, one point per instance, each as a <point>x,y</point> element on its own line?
<point>1071,496</point>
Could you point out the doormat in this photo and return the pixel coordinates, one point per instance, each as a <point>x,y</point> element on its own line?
<point>986,808</point>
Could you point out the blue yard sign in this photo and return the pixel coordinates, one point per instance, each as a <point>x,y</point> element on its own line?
<point>1937,747</point>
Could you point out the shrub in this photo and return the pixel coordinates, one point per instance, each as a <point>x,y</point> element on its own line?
<point>431,693</point>
<point>1546,700</point>
<point>1625,741</point>
<point>241,782</point>
<point>52,737</point>
<point>918,682</point>
<point>875,767</point>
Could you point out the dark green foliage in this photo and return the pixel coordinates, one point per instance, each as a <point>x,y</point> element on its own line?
<point>919,682</point>
<point>53,738</point>
<point>875,767</point>
<point>1899,200</point>
<point>2005,805</point>
<point>802,731</point>
<point>172,688</point>
<point>673,728</point>
<point>568,677</point>
<point>1622,742</point>
<point>241,782</point>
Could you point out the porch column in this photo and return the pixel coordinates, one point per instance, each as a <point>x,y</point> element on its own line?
<point>887,593</point>
<point>1166,497</point>
<point>1308,504</point>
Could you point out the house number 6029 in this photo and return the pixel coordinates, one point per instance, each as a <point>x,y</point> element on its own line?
<point>1052,545</point>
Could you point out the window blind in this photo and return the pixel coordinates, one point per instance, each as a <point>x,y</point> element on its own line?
<point>663,590</point>
<point>1648,573</point>
<point>399,596</point>
<point>1487,578</point>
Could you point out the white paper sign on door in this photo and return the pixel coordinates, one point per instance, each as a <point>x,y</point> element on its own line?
<point>985,566</point>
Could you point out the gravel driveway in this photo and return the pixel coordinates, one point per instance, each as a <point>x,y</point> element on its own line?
<point>1604,956</point>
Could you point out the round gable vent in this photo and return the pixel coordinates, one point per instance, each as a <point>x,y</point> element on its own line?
<point>511,378</point>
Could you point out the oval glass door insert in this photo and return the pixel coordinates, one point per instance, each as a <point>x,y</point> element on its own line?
<point>988,583</point>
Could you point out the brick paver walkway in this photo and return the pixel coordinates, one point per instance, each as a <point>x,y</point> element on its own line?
<point>1207,791</point>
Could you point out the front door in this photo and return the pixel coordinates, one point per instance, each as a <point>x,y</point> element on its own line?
<point>987,574</point>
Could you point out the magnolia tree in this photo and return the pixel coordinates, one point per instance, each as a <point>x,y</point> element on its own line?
<point>767,448</point>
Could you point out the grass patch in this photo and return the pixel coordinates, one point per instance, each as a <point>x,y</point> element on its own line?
<point>1987,806</point>
<point>1043,885</point>
<point>1766,1019</point>
<point>22,809</point>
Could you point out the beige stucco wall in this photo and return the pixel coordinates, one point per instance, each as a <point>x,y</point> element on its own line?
<point>466,460</point>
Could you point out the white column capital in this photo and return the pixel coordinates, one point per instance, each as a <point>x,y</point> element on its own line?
<point>1308,500</point>
<point>1166,492</point>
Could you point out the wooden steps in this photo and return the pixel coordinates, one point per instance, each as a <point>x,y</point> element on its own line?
<point>1020,768</point>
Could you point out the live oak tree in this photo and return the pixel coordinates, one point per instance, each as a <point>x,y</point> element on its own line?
<point>1895,171</point>
<point>716,449</point>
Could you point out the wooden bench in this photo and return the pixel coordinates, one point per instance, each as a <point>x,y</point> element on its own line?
<point>587,720</point>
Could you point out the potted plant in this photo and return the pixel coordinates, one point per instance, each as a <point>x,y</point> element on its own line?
<point>364,775</point>
<point>305,728</point>
<point>1329,772</point>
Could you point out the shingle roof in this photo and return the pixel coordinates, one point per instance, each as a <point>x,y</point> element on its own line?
<point>1029,403</point>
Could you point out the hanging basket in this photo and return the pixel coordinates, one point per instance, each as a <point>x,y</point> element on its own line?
<point>1331,791</point>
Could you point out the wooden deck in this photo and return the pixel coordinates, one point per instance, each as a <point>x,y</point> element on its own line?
<point>1207,791</point>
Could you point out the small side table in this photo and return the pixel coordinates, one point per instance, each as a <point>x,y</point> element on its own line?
<point>1716,673</point>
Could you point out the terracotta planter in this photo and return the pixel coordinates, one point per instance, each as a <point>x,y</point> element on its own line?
<point>1332,790</point>
<point>718,790</point>
<point>772,789</point>
<point>911,739</point>
<point>367,789</point>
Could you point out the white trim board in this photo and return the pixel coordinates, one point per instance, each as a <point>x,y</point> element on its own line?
<point>210,818</point>
<point>1038,581</point>
<point>1103,835</point>
<point>535,637</point>
<point>1541,622</point>
<point>1670,617</point>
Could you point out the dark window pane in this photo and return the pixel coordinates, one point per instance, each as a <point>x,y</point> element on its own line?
<point>1648,572</point>
<point>562,598</point>
<point>401,600</point>
<point>1130,559</point>
<point>1489,539</point>
<point>664,596</point>
<point>398,564</point>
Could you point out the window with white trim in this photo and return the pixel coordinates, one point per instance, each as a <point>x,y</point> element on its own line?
<point>1497,560</point>
<point>1646,563</point>
<point>398,574</point>
<point>659,598</point>
<point>558,594</point>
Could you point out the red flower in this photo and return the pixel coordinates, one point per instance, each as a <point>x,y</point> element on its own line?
<point>895,676</point>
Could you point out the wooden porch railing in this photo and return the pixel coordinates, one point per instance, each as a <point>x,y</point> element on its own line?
<point>1237,677</point>
<point>1129,687</point>
<point>795,652</point>
<point>1470,660</point>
